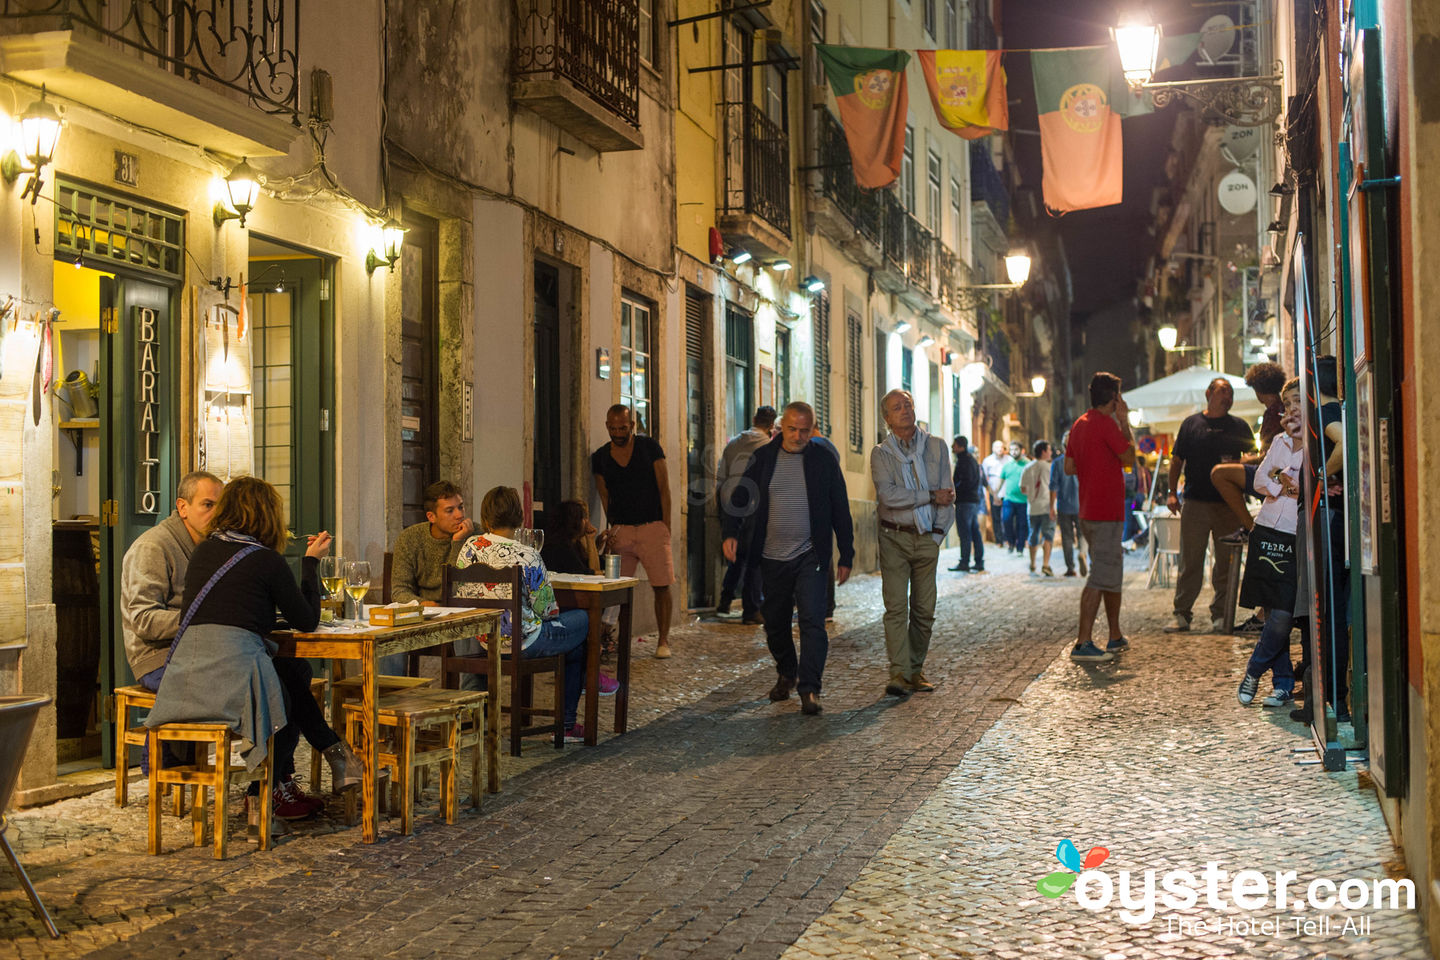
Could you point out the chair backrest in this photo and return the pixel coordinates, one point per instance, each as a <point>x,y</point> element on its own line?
<point>385,594</point>
<point>1166,531</point>
<point>478,573</point>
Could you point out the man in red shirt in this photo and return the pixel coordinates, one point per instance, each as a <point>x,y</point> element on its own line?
<point>1100,448</point>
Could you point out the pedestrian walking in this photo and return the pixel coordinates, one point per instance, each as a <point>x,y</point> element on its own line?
<point>969,480</point>
<point>790,512</point>
<point>1035,484</point>
<point>994,467</point>
<point>742,576</point>
<point>1065,504</point>
<point>914,497</point>
<point>634,487</point>
<point>1205,439</point>
<point>1100,448</point>
<point>1016,513</point>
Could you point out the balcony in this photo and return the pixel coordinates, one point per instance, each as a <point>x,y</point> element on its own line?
<point>987,186</point>
<point>755,206</point>
<point>848,214</point>
<point>214,72</point>
<point>577,64</point>
<point>910,249</point>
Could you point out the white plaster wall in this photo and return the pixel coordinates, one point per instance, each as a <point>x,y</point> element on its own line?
<point>502,393</point>
<point>602,334</point>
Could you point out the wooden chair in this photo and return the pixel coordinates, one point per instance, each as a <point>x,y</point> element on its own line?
<point>204,775</point>
<point>492,664</point>
<point>427,728</point>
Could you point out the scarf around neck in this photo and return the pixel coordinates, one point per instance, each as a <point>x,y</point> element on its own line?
<point>912,471</point>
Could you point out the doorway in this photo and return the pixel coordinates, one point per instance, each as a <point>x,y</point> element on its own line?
<point>547,461</point>
<point>419,376</point>
<point>700,457</point>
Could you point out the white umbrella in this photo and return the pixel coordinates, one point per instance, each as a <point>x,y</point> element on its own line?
<point>1164,403</point>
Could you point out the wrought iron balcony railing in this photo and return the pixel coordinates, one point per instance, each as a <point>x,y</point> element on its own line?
<point>863,208</point>
<point>757,166</point>
<point>909,247</point>
<point>595,44</point>
<point>987,185</point>
<point>247,47</point>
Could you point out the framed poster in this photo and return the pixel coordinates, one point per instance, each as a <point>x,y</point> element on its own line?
<point>1369,495</point>
<point>767,386</point>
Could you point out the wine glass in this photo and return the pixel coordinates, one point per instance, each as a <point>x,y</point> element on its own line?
<point>332,576</point>
<point>357,584</point>
<point>537,538</point>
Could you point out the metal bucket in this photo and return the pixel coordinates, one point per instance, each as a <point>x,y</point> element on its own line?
<point>77,390</point>
<point>612,565</point>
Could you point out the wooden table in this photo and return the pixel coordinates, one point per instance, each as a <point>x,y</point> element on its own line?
<point>367,645</point>
<point>593,595</point>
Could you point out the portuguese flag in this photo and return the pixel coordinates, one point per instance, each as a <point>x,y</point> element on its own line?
<point>1080,95</point>
<point>967,90</point>
<point>870,87</point>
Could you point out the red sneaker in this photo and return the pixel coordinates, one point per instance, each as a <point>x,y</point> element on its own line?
<point>290,805</point>
<point>575,733</point>
<point>291,789</point>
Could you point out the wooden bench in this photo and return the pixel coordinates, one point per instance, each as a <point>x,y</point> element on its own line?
<point>205,774</point>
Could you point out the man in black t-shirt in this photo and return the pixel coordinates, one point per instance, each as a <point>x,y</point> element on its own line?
<point>634,488</point>
<point>1205,439</point>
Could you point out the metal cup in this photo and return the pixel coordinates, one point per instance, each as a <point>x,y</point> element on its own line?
<point>612,566</point>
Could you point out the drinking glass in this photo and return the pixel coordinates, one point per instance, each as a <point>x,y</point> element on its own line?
<point>332,576</point>
<point>357,584</point>
<point>537,539</point>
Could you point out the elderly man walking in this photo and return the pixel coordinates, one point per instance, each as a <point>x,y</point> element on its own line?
<point>1205,440</point>
<point>915,498</point>
<point>790,512</point>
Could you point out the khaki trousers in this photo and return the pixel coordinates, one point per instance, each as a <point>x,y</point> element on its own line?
<point>907,572</point>
<point>1201,522</point>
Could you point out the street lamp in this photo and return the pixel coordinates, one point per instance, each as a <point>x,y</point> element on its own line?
<point>39,135</point>
<point>1241,101</point>
<point>242,189</point>
<point>1169,338</point>
<point>1037,387</point>
<point>1017,269</point>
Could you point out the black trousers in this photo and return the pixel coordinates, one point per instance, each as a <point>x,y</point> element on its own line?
<point>791,585</point>
<point>304,717</point>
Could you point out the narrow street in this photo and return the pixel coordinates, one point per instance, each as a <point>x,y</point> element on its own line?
<point>723,825</point>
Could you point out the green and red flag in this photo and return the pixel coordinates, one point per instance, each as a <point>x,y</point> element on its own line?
<point>870,87</point>
<point>967,90</point>
<point>1080,95</point>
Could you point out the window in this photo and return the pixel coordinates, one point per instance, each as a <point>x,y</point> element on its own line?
<point>647,31</point>
<point>637,345</point>
<point>955,221</point>
<point>782,366</point>
<point>907,369</point>
<point>775,96</point>
<point>854,379</point>
<point>907,170</point>
<point>272,365</point>
<point>927,8</point>
<point>817,35</point>
<point>952,25</point>
<point>820,316</point>
<point>932,206</point>
<point>882,379</point>
<point>955,425</point>
<point>739,358</point>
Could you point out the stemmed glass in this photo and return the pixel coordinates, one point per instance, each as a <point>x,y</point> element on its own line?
<point>332,576</point>
<point>357,584</point>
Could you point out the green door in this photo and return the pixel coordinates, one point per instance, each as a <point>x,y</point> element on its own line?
<point>138,466</point>
<point>288,309</point>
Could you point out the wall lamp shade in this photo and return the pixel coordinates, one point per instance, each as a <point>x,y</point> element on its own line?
<point>39,135</point>
<point>926,341</point>
<point>242,190</point>
<point>1138,40</point>
<point>392,238</point>
<point>740,256</point>
<point>812,284</point>
<point>902,326</point>
<point>1017,267</point>
<point>1168,337</point>
<point>1037,384</point>
<point>780,266</point>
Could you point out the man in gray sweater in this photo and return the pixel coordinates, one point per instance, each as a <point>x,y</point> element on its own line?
<point>152,577</point>
<point>417,564</point>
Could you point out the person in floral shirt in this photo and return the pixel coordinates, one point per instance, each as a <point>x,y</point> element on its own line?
<point>545,631</point>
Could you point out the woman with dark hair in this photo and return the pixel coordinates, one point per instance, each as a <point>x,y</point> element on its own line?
<point>221,667</point>
<point>544,630</point>
<point>570,544</point>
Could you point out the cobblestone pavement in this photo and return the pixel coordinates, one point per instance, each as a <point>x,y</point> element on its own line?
<point>724,824</point>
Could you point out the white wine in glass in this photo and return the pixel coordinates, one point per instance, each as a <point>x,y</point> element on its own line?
<point>357,584</point>
<point>332,576</point>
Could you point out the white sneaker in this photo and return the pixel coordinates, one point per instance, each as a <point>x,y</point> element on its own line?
<point>1181,624</point>
<point>1221,625</point>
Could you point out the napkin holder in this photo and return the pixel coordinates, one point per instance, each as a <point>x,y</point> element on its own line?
<point>397,616</point>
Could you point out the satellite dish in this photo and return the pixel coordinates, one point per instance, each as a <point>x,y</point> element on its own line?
<point>1237,193</point>
<point>1217,37</point>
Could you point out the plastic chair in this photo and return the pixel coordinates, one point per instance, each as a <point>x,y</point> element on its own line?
<point>1165,549</point>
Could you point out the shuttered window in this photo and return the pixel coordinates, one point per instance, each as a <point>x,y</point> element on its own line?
<point>821,316</point>
<point>855,380</point>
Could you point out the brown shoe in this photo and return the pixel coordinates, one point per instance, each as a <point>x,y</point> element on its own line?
<point>898,686</point>
<point>782,688</point>
<point>920,684</point>
<point>810,704</point>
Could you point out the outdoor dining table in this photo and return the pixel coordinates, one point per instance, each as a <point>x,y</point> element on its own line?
<point>593,594</point>
<point>368,644</point>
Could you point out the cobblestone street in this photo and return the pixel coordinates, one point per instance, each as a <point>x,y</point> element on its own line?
<point>723,824</point>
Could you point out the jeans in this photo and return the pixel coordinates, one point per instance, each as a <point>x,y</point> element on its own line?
<point>744,576</point>
<point>907,582</point>
<point>1272,651</point>
<point>997,520</point>
<point>175,754</point>
<point>565,634</point>
<point>1017,524</point>
<point>967,527</point>
<point>791,585</point>
<point>1069,524</point>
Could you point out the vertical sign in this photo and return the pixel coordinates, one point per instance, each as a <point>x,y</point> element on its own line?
<point>147,431</point>
<point>467,411</point>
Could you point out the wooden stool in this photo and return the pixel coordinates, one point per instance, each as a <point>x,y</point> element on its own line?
<point>204,774</point>
<point>429,729</point>
<point>346,689</point>
<point>130,698</point>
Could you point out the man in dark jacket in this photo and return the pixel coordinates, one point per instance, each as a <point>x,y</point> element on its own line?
<point>790,510</point>
<point>969,502</point>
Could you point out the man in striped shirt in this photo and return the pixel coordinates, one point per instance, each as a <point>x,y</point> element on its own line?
<point>789,512</point>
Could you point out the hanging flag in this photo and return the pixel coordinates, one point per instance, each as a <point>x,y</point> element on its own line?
<point>1080,95</point>
<point>870,87</point>
<point>967,90</point>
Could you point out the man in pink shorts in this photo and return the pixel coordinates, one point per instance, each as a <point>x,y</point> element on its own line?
<point>634,488</point>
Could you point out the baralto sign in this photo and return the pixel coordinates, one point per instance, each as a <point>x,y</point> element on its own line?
<point>147,431</point>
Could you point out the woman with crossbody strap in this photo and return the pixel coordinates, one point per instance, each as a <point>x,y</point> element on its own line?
<point>222,669</point>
